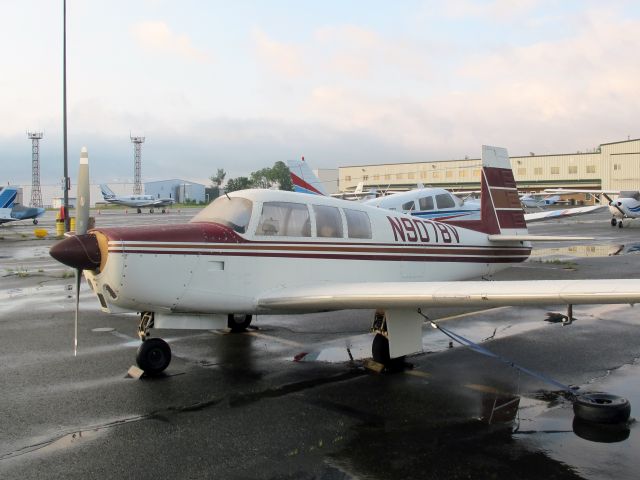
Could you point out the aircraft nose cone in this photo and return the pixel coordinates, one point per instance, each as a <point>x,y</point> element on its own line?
<point>78,251</point>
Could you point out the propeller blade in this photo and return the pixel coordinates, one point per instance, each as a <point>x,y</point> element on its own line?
<point>75,329</point>
<point>82,208</point>
<point>82,225</point>
<point>612,204</point>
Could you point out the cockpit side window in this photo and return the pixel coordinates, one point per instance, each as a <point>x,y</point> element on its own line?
<point>426,203</point>
<point>409,206</point>
<point>328,221</point>
<point>444,200</point>
<point>284,219</point>
<point>234,212</point>
<point>358,223</point>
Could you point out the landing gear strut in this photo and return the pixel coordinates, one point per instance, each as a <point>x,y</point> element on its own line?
<point>146,324</point>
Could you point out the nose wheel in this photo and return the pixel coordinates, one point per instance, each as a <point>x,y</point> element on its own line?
<point>154,356</point>
<point>613,222</point>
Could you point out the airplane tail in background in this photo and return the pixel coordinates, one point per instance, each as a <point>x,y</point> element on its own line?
<point>500,208</point>
<point>107,193</point>
<point>303,179</point>
<point>8,197</point>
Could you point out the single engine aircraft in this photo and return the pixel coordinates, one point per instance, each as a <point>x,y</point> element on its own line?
<point>135,201</point>
<point>10,211</point>
<point>625,206</point>
<point>427,202</point>
<point>267,251</point>
<point>534,200</point>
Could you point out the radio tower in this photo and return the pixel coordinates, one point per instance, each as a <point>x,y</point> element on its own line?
<point>137,158</point>
<point>36,193</point>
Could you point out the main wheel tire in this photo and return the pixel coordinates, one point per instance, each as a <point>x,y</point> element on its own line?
<point>601,408</point>
<point>380,349</point>
<point>613,222</point>
<point>35,221</point>
<point>154,356</point>
<point>139,210</point>
<point>238,322</point>
<point>620,224</point>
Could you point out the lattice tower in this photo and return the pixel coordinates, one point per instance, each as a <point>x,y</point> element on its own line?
<point>36,192</point>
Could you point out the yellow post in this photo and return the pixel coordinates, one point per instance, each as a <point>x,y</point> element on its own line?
<point>72,224</point>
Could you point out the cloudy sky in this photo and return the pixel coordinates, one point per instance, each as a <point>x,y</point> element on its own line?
<point>240,85</point>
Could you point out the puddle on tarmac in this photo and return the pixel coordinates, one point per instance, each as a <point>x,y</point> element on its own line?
<point>575,251</point>
<point>593,451</point>
<point>64,442</point>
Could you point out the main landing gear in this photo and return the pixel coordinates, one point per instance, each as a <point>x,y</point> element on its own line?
<point>380,351</point>
<point>154,354</point>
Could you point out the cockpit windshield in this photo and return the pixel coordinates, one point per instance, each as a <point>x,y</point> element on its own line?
<point>234,212</point>
<point>630,194</point>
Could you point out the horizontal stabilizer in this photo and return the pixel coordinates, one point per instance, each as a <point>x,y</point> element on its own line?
<point>534,238</point>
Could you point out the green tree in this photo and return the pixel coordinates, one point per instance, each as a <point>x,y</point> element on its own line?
<point>276,176</point>
<point>216,182</point>
<point>240,183</point>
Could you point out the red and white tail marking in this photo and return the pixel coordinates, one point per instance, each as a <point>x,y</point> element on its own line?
<point>500,208</point>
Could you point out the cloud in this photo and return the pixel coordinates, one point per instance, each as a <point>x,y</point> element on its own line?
<point>157,37</point>
<point>284,59</point>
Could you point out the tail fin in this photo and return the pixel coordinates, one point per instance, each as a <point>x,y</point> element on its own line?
<point>303,179</point>
<point>500,208</point>
<point>107,193</point>
<point>8,197</point>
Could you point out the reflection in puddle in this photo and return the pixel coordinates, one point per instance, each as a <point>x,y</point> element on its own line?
<point>596,250</point>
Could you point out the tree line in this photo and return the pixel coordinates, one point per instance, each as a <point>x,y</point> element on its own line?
<point>277,176</point>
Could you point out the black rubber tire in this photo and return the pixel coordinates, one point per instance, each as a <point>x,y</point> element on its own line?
<point>380,349</point>
<point>139,210</point>
<point>601,407</point>
<point>620,224</point>
<point>164,211</point>
<point>154,356</point>
<point>601,432</point>
<point>151,210</point>
<point>35,221</point>
<point>238,323</point>
<point>613,222</point>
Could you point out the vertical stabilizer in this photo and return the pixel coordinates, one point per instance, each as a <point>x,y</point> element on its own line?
<point>303,179</point>
<point>8,196</point>
<point>107,193</point>
<point>500,208</point>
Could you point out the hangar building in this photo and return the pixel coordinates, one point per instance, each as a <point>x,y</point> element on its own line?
<point>611,166</point>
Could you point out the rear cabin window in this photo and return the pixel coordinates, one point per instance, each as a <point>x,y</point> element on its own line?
<point>358,224</point>
<point>408,206</point>
<point>426,203</point>
<point>328,221</point>
<point>284,219</point>
<point>234,212</point>
<point>444,200</point>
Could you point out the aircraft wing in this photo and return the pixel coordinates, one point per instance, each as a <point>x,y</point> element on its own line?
<point>569,212</point>
<point>409,295</point>
<point>566,190</point>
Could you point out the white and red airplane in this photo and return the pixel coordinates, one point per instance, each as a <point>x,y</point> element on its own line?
<point>267,251</point>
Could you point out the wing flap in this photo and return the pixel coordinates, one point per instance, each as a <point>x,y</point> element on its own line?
<point>451,294</point>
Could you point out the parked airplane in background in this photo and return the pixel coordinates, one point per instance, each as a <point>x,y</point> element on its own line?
<point>269,251</point>
<point>431,202</point>
<point>625,206</point>
<point>135,201</point>
<point>11,211</point>
<point>534,200</point>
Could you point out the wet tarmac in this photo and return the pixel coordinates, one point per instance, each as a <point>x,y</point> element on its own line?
<point>290,398</point>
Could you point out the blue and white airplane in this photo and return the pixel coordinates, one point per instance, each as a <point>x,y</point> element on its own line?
<point>10,211</point>
<point>425,202</point>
